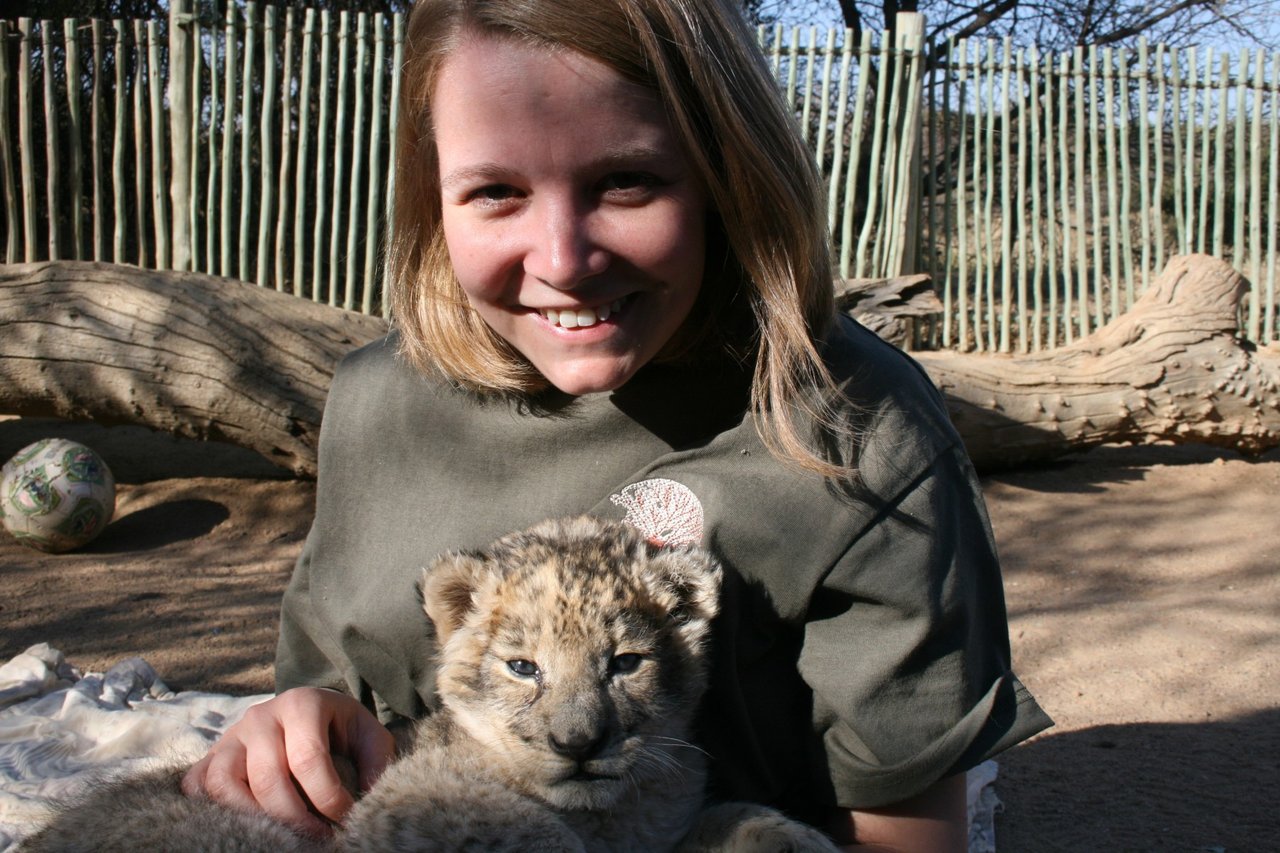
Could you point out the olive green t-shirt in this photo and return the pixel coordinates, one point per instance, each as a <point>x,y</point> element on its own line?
<point>862,650</point>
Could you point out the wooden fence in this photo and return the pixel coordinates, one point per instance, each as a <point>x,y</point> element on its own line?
<point>1057,185</point>
<point>1041,191</point>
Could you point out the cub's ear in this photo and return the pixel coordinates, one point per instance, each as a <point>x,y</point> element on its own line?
<point>690,578</point>
<point>449,586</point>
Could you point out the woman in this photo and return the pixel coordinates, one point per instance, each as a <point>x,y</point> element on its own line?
<point>612,294</point>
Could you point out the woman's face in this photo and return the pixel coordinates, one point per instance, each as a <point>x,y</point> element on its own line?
<point>573,221</point>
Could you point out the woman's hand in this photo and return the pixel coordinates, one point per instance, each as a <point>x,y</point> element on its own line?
<point>279,758</point>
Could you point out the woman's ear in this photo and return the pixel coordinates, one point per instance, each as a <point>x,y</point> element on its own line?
<point>448,587</point>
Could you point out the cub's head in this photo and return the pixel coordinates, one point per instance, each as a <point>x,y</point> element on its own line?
<point>574,653</point>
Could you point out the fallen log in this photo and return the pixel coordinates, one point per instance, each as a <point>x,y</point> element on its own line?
<point>1172,368</point>
<point>184,353</point>
<point>217,359</point>
<point>886,306</point>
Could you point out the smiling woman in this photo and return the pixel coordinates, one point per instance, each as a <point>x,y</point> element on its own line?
<point>612,296</point>
<point>573,222</point>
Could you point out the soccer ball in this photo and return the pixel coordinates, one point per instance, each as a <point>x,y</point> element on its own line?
<point>56,495</point>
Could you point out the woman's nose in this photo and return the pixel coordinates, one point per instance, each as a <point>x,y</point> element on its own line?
<point>562,250</point>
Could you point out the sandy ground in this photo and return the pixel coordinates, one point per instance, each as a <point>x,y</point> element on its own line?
<point>1142,585</point>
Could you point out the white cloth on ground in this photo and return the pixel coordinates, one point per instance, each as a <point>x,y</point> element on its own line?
<point>61,729</point>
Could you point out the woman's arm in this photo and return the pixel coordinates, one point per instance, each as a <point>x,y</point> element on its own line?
<point>935,821</point>
<point>279,758</point>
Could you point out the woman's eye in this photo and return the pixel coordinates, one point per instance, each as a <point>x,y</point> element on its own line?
<point>624,663</point>
<point>493,194</point>
<point>628,182</point>
<point>523,668</point>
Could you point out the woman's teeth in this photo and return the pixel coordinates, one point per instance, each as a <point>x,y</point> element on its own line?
<point>583,317</point>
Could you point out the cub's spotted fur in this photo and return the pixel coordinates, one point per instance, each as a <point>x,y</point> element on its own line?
<point>572,659</point>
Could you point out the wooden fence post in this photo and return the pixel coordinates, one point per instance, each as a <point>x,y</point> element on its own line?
<point>909,35</point>
<point>181,58</point>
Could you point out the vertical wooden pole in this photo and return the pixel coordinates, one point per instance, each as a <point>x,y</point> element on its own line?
<point>25,148</point>
<point>228,140</point>
<point>7,176</point>
<point>372,207</point>
<point>322,157</point>
<point>159,207</point>
<point>181,58</point>
<point>1218,205</point>
<point>1145,175</point>
<point>837,154</point>
<point>357,161</point>
<point>1038,260</point>
<point>1180,204</point>
<point>961,54</point>
<point>95,143</point>
<point>1114,218</point>
<point>397,59</point>
<point>1157,191</point>
<point>246,136</point>
<point>213,180</point>
<point>792,57</point>
<point>1195,179</point>
<point>810,62</point>
<point>1064,196</point>
<point>196,112</point>
<point>1255,199</point>
<point>304,137</point>
<point>1008,214</point>
<point>909,29</point>
<point>75,144</point>
<point>1273,207</point>
<point>873,183</point>
<point>1241,169</point>
<point>855,154</point>
<point>120,218</point>
<point>1021,203</point>
<point>53,173</point>
<point>339,151</point>
<point>286,146</point>
<point>266,147</point>
<point>1095,191</point>
<point>988,208</point>
<point>1126,183</point>
<point>1081,177</point>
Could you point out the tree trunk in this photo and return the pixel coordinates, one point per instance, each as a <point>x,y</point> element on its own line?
<point>1171,368</point>
<point>185,353</point>
<point>212,358</point>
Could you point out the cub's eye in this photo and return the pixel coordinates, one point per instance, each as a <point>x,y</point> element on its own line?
<point>523,668</point>
<point>624,663</point>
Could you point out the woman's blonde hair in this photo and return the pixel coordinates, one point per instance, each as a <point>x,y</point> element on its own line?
<point>768,256</point>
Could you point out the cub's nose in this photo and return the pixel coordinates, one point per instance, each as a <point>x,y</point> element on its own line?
<point>580,746</point>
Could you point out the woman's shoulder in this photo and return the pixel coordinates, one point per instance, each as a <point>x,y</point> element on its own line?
<point>887,397</point>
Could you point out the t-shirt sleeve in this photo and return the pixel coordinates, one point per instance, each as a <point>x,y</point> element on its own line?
<point>305,656</point>
<point>917,597</point>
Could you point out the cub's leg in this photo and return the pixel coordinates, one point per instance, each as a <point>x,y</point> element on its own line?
<point>418,807</point>
<point>150,812</point>
<point>751,828</point>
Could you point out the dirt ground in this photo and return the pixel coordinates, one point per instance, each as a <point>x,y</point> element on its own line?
<point>1142,585</point>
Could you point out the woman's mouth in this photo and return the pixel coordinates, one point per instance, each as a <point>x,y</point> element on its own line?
<point>581,318</point>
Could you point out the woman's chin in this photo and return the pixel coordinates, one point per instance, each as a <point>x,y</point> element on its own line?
<point>578,380</point>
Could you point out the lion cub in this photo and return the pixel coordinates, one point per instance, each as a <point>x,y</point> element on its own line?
<point>571,662</point>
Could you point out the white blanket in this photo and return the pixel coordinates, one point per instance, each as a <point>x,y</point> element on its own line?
<point>60,730</point>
